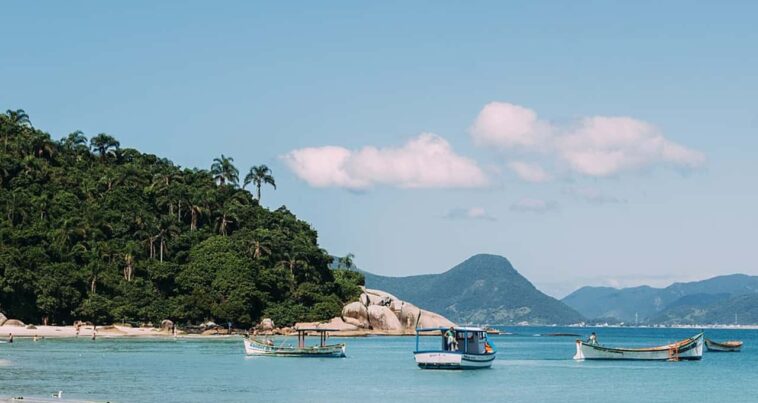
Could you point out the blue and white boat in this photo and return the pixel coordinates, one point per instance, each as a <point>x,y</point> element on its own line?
<point>471,350</point>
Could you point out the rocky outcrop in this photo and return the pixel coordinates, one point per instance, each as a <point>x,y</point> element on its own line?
<point>266,325</point>
<point>381,312</point>
<point>356,314</point>
<point>167,325</point>
<point>382,318</point>
<point>13,322</point>
<point>2,319</point>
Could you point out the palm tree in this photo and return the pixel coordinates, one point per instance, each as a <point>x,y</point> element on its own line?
<point>14,118</point>
<point>104,145</point>
<point>224,171</point>
<point>259,244</point>
<point>17,117</point>
<point>259,175</point>
<point>292,261</point>
<point>166,230</point>
<point>199,205</point>
<point>74,140</point>
<point>42,146</point>
<point>128,267</point>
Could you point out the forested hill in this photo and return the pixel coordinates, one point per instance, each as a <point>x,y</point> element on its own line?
<point>712,301</point>
<point>483,289</point>
<point>90,230</point>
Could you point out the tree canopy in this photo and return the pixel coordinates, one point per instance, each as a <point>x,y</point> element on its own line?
<point>106,233</point>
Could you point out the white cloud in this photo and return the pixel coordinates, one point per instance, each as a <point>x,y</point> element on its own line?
<point>595,146</point>
<point>507,125</point>
<point>529,172</point>
<point>603,146</point>
<point>473,213</point>
<point>426,161</point>
<point>533,205</point>
<point>592,195</point>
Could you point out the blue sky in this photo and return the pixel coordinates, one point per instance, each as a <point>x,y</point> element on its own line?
<point>601,143</point>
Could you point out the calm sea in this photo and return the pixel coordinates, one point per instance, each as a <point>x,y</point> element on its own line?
<point>378,369</point>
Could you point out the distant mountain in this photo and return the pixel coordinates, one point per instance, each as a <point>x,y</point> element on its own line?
<point>690,302</point>
<point>484,289</point>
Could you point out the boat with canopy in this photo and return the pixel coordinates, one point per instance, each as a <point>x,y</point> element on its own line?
<point>723,346</point>
<point>254,346</point>
<point>687,349</point>
<point>460,348</point>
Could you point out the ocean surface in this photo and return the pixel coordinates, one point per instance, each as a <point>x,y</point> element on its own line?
<point>529,368</point>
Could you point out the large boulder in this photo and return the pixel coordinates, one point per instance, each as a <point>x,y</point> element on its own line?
<point>355,313</point>
<point>382,318</point>
<point>167,325</point>
<point>2,318</point>
<point>431,319</point>
<point>408,315</point>
<point>377,297</point>
<point>266,325</point>
<point>337,324</point>
<point>13,322</point>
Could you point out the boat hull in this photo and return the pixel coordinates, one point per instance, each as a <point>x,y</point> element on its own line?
<point>688,349</point>
<point>723,347</point>
<point>452,360</point>
<point>255,348</point>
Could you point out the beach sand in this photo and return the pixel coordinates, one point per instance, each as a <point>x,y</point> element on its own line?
<point>84,331</point>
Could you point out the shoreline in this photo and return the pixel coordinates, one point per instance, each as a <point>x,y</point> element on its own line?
<point>117,331</point>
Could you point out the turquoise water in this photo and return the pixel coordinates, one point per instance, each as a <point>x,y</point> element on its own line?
<point>528,368</point>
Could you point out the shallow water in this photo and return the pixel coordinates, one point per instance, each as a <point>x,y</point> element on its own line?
<point>528,368</point>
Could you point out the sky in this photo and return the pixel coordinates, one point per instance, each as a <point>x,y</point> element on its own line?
<point>589,142</point>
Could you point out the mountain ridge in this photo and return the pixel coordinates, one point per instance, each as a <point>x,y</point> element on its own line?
<point>484,288</point>
<point>678,303</point>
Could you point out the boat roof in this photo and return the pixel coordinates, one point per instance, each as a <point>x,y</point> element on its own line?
<point>462,329</point>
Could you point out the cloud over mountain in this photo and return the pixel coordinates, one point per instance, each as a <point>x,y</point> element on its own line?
<point>425,161</point>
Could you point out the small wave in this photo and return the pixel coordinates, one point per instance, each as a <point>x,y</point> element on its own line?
<point>5,363</point>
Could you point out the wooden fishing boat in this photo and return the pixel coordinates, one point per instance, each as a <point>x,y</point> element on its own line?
<point>723,346</point>
<point>687,349</point>
<point>258,347</point>
<point>472,350</point>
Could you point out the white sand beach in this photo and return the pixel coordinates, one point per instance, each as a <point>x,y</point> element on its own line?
<point>84,331</point>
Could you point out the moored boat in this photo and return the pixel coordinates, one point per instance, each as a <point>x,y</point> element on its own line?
<point>255,346</point>
<point>687,349</point>
<point>723,346</point>
<point>470,350</point>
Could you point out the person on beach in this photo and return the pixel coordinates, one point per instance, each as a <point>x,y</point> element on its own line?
<point>94,333</point>
<point>452,343</point>
<point>593,339</point>
<point>35,338</point>
<point>78,326</point>
<point>10,337</point>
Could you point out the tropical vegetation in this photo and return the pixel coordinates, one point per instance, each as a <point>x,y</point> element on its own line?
<point>91,230</point>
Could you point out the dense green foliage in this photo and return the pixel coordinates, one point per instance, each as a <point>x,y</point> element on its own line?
<point>484,289</point>
<point>90,230</point>
<point>691,302</point>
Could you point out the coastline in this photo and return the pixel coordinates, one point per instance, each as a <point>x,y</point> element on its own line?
<point>117,331</point>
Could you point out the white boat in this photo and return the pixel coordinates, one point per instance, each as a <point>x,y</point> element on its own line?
<point>474,350</point>
<point>723,346</point>
<point>687,349</point>
<point>254,346</point>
